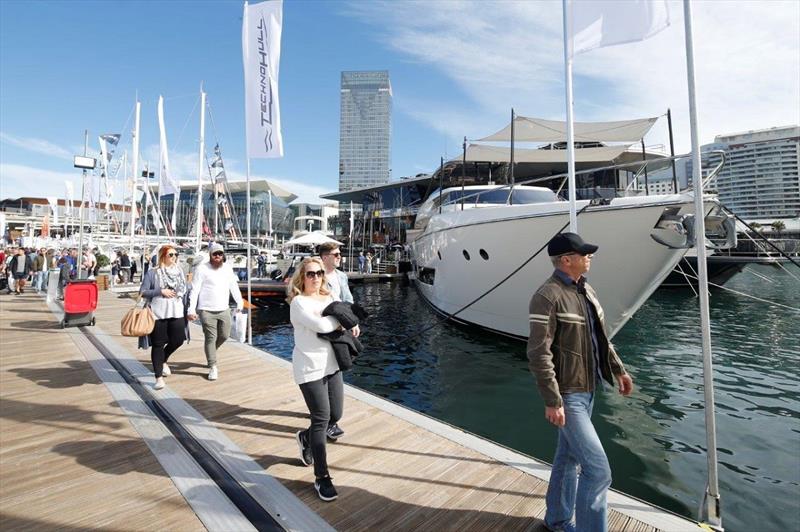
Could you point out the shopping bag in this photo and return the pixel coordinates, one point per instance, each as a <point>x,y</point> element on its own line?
<point>137,322</point>
<point>239,326</point>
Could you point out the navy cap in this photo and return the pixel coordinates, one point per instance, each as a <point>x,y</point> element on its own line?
<point>565,243</point>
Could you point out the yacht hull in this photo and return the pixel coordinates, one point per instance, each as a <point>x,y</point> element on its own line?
<point>463,254</point>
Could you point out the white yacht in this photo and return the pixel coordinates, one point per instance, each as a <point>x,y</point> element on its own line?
<point>468,239</point>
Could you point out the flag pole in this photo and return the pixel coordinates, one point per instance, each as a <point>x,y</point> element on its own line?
<point>711,498</point>
<point>249,279</point>
<point>135,177</point>
<point>573,217</point>
<point>200,162</point>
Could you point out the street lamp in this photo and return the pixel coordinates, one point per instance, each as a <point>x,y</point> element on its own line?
<point>85,163</point>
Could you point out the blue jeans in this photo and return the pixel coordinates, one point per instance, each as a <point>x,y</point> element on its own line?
<point>585,494</point>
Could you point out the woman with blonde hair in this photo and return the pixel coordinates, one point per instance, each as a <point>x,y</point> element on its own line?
<point>315,368</point>
<point>166,292</point>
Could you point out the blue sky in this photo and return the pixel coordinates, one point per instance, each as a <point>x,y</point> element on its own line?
<point>456,69</point>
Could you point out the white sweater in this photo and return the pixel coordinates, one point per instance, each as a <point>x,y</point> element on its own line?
<point>312,357</point>
<point>211,288</point>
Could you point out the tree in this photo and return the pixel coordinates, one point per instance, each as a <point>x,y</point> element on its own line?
<point>778,226</point>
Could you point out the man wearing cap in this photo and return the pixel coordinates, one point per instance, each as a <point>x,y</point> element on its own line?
<point>213,283</point>
<point>571,357</point>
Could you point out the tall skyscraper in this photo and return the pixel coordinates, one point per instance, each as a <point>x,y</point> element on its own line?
<point>364,129</point>
<point>760,179</point>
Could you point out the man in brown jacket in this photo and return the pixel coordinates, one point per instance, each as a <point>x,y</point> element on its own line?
<point>571,357</point>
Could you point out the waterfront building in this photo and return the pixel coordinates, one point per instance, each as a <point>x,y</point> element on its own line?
<point>27,216</point>
<point>364,129</point>
<point>760,179</point>
<point>216,219</point>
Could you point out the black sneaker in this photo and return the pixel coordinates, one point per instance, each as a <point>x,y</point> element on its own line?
<point>325,489</point>
<point>305,449</point>
<point>334,432</point>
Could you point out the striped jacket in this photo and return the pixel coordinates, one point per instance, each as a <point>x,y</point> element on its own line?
<point>560,343</point>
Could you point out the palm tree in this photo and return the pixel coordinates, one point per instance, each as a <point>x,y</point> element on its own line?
<point>778,226</point>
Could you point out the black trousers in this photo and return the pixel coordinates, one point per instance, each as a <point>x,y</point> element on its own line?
<point>167,336</point>
<point>325,401</point>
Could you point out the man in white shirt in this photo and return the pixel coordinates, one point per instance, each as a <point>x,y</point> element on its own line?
<point>213,283</point>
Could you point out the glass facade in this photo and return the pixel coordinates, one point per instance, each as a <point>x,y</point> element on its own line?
<point>282,216</point>
<point>760,179</point>
<point>364,129</point>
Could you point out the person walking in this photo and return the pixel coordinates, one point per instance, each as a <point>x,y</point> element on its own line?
<point>368,261</point>
<point>337,285</point>
<point>125,265</point>
<point>262,265</point>
<point>361,262</point>
<point>213,284</point>
<point>571,358</point>
<point>38,270</point>
<point>164,287</point>
<point>315,368</point>
<point>20,267</point>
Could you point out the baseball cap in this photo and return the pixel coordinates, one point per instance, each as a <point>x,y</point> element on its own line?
<point>565,243</point>
<point>215,247</point>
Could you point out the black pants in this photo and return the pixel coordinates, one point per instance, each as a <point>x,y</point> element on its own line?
<point>167,336</point>
<point>325,401</point>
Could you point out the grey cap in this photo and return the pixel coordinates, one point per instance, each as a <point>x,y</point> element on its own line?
<point>213,248</point>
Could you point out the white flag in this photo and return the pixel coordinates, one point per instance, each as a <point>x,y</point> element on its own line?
<point>166,185</point>
<point>261,51</point>
<point>70,196</point>
<point>351,222</point>
<point>53,201</point>
<point>598,23</point>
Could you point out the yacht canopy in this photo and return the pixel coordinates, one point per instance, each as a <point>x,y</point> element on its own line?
<point>497,154</point>
<point>539,130</point>
<point>314,238</point>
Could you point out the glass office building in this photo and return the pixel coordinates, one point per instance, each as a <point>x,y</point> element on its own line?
<point>760,179</point>
<point>364,129</point>
<point>282,215</point>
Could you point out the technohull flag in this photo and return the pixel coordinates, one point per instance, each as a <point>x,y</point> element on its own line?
<point>261,51</point>
<point>53,201</point>
<point>166,184</point>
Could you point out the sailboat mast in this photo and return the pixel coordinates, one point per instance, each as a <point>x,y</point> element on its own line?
<point>199,228</point>
<point>135,172</point>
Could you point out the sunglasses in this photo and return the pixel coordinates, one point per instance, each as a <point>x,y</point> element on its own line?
<point>172,254</point>
<point>337,254</point>
<point>318,273</point>
<point>218,254</point>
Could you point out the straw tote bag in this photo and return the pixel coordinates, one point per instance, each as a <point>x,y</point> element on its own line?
<point>138,321</point>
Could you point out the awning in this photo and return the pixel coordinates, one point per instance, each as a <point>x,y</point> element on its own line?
<point>314,238</point>
<point>499,154</point>
<point>539,130</point>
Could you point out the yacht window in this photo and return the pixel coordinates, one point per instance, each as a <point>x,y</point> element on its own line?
<point>484,255</point>
<point>521,195</point>
<point>466,254</point>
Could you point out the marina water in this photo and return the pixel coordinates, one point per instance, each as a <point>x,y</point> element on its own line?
<point>655,439</point>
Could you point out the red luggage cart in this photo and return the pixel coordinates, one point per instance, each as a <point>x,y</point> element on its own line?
<point>80,302</point>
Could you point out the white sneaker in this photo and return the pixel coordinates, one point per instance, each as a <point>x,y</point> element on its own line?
<point>159,383</point>
<point>166,372</point>
<point>213,373</point>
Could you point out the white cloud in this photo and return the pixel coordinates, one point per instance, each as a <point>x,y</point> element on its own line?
<point>504,54</point>
<point>19,180</point>
<point>40,146</point>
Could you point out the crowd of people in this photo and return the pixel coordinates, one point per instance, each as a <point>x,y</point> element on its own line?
<point>568,349</point>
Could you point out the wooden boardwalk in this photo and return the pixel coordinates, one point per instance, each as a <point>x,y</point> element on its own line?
<point>69,457</point>
<point>63,440</point>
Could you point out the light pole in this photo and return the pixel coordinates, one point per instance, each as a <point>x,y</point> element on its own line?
<point>85,163</point>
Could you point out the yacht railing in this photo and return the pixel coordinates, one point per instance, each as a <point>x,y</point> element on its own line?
<point>639,167</point>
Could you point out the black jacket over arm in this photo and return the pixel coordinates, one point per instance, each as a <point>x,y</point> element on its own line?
<point>345,346</point>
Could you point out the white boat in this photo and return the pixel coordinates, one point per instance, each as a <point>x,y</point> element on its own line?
<point>464,248</point>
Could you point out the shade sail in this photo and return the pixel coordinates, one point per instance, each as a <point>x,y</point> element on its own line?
<point>499,154</point>
<point>539,130</point>
<point>314,238</point>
